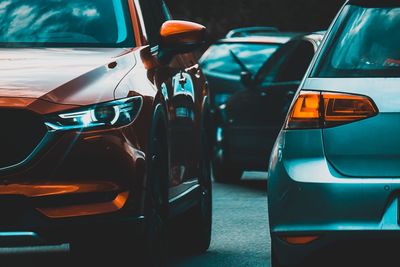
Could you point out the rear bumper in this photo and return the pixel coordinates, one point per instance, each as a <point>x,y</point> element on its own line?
<point>354,245</point>
<point>333,212</point>
<point>307,197</point>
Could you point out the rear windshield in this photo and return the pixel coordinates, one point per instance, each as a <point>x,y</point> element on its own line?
<point>71,23</point>
<point>220,58</point>
<point>364,43</point>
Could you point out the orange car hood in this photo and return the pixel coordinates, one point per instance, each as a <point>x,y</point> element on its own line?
<point>63,75</point>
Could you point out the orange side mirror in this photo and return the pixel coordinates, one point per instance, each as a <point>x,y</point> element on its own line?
<point>181,36</point>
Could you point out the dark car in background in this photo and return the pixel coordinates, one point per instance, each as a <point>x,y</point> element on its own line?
<point>252,81</point>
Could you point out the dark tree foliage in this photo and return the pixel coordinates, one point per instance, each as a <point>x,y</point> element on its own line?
<point>288,15</point>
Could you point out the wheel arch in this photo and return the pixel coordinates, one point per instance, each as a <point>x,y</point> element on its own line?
<point>158,127</point>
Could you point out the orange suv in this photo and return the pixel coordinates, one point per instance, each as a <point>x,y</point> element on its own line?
<point>105,115</point>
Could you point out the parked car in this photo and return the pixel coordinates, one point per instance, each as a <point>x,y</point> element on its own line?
<point>252,83</point>
<point>105,123</point>
<point>335,168</point>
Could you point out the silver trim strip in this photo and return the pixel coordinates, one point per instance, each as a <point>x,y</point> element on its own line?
<point>63,248</point>
<point>184,193</point>
<point>18,234</point>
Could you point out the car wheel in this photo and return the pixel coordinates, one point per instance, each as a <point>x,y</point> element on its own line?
<point>223,173</point>
<point>193,228</point>
<point>197,222</point>
<point>203,211</point>
<point>156,206</point>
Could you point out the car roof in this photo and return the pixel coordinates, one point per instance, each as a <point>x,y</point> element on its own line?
<point>374,3</point>
<point>275,38</point>
<point>271,38</point>
<point>316,36</point>
<point>249,31</point>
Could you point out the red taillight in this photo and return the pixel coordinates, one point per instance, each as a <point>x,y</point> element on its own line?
<point>306,112</point>
<point>322,110</point>
<point>299,240</point>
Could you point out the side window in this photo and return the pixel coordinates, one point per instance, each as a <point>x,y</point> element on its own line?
<point>269,72</point>
<point>220,58</point>
<point>289,64</point>
<point>295,66</point>
<point>154,16</point>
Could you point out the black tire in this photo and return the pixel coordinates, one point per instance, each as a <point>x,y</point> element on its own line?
<point>155,240</point>
<point>223,173</point>
<point>198,220</point>
<point>194,226</point>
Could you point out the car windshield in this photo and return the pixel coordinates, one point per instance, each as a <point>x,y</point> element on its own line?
<point>221,57</point>
<point>59,23</point>
<point>364,43</point>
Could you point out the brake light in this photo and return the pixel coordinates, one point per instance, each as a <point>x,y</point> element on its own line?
<point>299,240</point>
<point>323,110</point>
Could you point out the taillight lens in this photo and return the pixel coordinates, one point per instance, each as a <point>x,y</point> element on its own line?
<point>324,110</point>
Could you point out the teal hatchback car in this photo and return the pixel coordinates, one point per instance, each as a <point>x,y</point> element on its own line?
<point>335,167</point>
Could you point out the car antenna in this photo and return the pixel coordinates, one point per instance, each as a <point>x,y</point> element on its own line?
<point>241,64</point>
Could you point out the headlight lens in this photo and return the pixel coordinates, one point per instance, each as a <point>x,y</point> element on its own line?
<point>116,113</point>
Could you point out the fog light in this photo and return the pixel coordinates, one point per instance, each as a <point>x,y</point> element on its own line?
<point>299,240</point>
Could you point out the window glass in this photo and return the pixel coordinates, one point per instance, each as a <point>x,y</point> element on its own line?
<point>72,23</point>
<point>295,63</point>
<point>154,17</point>
<point>220,59</point>
<point>364,43</point>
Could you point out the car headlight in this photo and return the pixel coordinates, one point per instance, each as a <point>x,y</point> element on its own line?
<point>112,114</point>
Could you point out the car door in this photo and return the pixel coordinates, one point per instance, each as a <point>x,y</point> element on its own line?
<point>177,81</point>
<point>260,111</point>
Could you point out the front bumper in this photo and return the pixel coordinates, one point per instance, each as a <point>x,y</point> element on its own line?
<point>307,197</point>
<point>78,184</point>
<point>79,173</point>
<point>33,229</point>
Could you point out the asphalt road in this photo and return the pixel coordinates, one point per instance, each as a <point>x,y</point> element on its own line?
<point>240,233</point>
<point>240,226</point>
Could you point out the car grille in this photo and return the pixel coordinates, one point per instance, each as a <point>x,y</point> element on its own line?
<point>21,132</point>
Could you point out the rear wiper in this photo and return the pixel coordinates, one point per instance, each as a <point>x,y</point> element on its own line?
<point>241,64</point>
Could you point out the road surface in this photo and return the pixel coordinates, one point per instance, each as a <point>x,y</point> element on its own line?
<point>240,226</point>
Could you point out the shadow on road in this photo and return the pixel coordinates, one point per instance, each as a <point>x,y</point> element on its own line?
<point>218,259</point>
<point>260,185</point>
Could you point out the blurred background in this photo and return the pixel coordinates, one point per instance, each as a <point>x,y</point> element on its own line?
<point>220,16</point>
